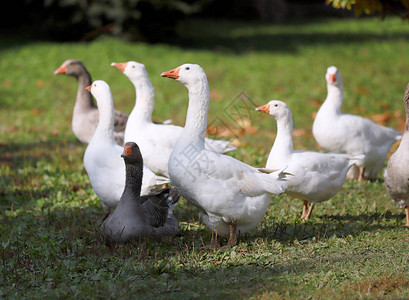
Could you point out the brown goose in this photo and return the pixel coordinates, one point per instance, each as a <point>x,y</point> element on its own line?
<point>85,114</point>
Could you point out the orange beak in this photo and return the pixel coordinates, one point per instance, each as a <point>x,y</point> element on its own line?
<point>265,108</point>
<point>331,78</point>
<point>120,66</point>
<point>88,88</point>
<point>127,151</point>
<point>174,74</point>
<point>61,70</point>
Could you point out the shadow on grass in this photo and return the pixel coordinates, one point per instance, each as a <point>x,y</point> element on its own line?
<point>319,228</point>
<point>21,155</point>
<point>283,42</point>
<point>243,37</point>
<point>221,36</point>
<point>39,170</point>
<point>286,231</point>
<point>64,247</point>
<point>23,196</point>
<point>331,226</point>
<point>368,218</point>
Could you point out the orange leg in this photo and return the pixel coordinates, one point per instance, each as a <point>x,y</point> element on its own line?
<point>407,216</point>
<point>304,209</point>
<point>308,215</point>
<point>361,174</point>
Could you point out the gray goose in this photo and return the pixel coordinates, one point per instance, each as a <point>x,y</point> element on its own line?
<point>137,217</point>
<point>397,171</point>
<point>85,115</point>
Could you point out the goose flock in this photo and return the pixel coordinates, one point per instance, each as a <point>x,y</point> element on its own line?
<point>139,168</point>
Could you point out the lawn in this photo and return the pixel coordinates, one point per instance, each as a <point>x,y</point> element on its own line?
<point>353,247</point>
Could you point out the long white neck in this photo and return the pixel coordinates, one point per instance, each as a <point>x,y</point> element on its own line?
<point>335,97</point>
<point>196,118</point>
<point>105,126</point>
<point>283,147</point>
<point>145,98</point>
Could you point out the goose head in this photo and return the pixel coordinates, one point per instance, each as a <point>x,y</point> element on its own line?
<point>333,76</point>
<point>132,69</point>
<point>275,108</point>
<point>99,89</point>
<point>188,74</point>
<point>131,153</point>
<point>71,67</point>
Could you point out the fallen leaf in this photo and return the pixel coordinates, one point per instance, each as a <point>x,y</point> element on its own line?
<point>40,83</point>
<point>55,132</point>
<point>381,119</point>
<point>243,122</point>
<point>35,111</point>
<point>383,105</point>
<point>362,90</point>
<point>300,132</point>
<point>236,142</point>
<point>215,95</point>
<point>315,103</point>
<point>6,83</point>
<point>397,114</point>
<point>359,110</point>
<point>224,131</point>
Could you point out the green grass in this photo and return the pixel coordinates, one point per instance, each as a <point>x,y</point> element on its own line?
<point>353,247</point>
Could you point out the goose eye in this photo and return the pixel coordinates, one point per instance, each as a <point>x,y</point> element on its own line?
<point>275,105</point>
<point>133,67</point>
<point>187,68</point>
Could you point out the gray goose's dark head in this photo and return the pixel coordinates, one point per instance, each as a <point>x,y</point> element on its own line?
<point>131,153</point>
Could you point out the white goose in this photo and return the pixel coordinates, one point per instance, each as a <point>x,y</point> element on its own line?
<point>102,159</point>
<point>155,141</point>
<point>232,195</point>
<point>397,172</point>
<point>317,176</point>
<point>346,133</point>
